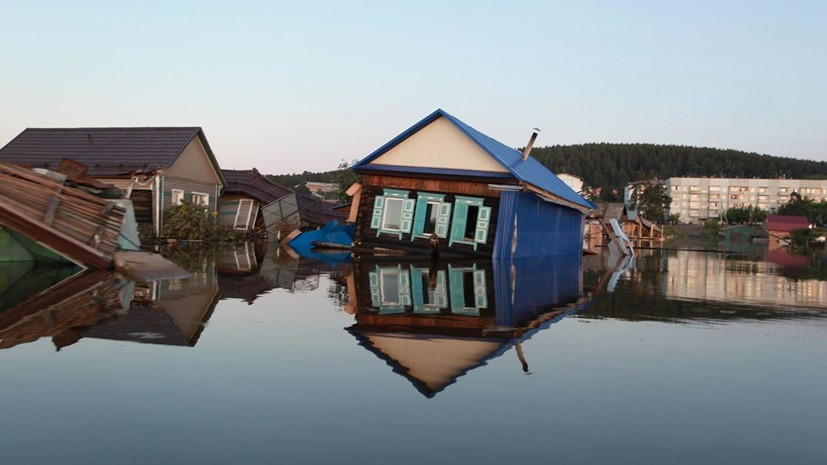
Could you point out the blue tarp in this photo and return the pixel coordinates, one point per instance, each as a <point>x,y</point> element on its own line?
<point>332,233</point>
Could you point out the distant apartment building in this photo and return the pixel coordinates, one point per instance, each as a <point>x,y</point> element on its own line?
<point>698,199</point>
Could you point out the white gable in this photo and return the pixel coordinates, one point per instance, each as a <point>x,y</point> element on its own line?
<point>440,145</point>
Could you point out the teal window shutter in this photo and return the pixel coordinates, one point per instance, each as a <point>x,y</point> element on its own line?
<point>443,220</point>
<point>378,207</point>
<point>407,216</point>
<point>423,217</point>
<point>458,223</point>
<point>483,220</point>
<point>419,216</point>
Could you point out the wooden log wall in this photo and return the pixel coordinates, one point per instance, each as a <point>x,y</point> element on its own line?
<point>374,185</point>
<point>73,223</point>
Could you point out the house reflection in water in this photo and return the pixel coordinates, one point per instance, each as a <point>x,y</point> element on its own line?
<point>251,270</point>
<point>432,323</point>
<point>100,305</point>
<point>173,312</point>
<point>60,311</point>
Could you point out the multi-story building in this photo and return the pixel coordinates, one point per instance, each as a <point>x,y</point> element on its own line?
<point>698,199</point>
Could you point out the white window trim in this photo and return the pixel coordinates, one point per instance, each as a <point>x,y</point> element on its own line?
<point>180,196</point>
<point>200,195</point>
<point>246,224</point>
<point>384,225</point>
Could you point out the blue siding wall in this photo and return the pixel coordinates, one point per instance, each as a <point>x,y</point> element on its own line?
<point>543,228</point>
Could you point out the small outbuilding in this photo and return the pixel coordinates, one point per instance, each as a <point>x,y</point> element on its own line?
<point>443,182</point>
<point>779,227</point>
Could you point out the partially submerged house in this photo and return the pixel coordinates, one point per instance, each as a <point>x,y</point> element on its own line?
<point>637,228</point>
<point>779,227</point>
<point>444,179</point>
<point>156,166</point>
<point>245,193</point>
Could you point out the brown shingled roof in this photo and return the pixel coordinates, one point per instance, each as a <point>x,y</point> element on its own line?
<point>106,151</point>
<point>253,184</point>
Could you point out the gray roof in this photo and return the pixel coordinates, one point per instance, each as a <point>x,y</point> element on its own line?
<point>106,151</point>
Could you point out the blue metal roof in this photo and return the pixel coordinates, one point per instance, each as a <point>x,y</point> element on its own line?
<point>529,171</point>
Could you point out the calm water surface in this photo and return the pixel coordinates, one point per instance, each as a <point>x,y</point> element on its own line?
<point>673,358</point>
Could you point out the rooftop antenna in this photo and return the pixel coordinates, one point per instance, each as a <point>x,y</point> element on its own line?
<point>530,144</point>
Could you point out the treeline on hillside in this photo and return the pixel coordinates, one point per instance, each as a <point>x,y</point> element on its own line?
<point>612,166</point>
<point>297,180</point>
<point>342,176</point>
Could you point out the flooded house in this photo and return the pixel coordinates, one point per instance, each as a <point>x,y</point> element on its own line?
<point>779,227</point>
<point>632,223</point>
<point>156,167</point>
<point>443,182</point>
<point>241,202</point>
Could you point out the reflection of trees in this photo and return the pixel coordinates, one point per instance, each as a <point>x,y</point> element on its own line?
<point>337,293</point>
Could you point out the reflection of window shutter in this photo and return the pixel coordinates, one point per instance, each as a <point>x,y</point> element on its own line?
<point>443,219</point>
<point>375,295</point>
<point>480,298</point>
<point>404,286</point>
<point>407,215</point>
<point>483,219</point>
<point>455,283</point>
<point>378,204</point>
<point>440,293</point>
<point>458,224</point>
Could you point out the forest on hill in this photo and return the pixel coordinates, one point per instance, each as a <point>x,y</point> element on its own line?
<point>612,166</point>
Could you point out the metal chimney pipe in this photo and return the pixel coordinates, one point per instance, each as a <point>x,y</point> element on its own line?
<point>530,144</point>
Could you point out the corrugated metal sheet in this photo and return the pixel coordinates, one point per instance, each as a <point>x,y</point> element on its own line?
<point>536,221</point>
<point>529,171</point>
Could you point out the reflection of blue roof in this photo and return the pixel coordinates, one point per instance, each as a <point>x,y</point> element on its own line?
<point>529,171</point>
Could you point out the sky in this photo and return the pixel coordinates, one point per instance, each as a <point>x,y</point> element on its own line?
<point>293,86</point>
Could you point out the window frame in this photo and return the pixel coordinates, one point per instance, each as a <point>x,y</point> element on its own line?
<point>196,197</point>
<point>177,196</point>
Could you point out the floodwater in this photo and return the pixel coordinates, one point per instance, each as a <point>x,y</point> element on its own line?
<point>674,357</point>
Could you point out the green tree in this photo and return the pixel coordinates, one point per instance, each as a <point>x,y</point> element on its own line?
<point>650,199</point>
<point>750,214</point>
<point>345,177</point>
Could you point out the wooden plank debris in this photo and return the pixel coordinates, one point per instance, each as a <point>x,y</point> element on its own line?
<point>79,226</point>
